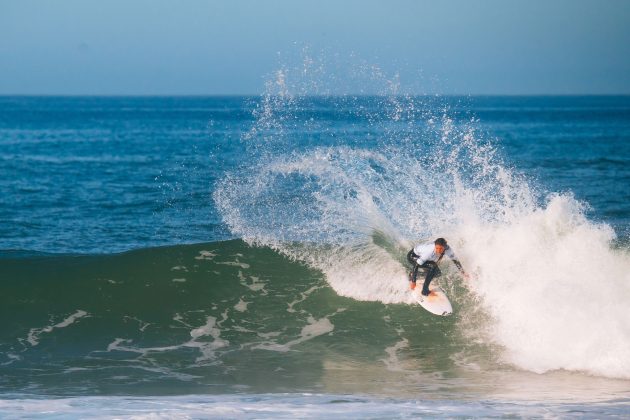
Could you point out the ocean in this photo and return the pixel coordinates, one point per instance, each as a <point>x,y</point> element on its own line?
<point>195,257</point>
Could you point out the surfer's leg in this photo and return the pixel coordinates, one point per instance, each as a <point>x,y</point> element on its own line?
<point>432,271</point>
<point>411,257</point>
<point>414,273</point>
<point>413,260</point>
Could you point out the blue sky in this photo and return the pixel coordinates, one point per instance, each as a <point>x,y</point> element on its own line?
<point>198,47</point>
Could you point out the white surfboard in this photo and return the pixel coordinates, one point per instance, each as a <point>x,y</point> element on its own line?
<point>437,303</point>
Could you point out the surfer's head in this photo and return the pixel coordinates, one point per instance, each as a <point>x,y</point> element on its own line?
<point>440,245</point>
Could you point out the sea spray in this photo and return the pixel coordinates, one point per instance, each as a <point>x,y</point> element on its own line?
<point>553,289</point>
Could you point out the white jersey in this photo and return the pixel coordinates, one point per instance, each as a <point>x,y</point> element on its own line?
<point>426,252</point>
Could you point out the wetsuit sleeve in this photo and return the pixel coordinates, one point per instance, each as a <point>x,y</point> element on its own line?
<point>449,253</point>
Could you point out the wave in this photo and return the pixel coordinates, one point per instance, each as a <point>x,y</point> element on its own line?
<point>215,317</point>
<point>550,279</point>
<point>228,317</point>
<point>549,290</point>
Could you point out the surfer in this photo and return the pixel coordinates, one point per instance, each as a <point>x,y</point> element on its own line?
<point>427,256</point>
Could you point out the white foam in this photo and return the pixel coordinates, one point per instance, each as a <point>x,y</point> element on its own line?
<point>206,348</point>
<point>235,264</point>
<point>291,406</point>
<point>34,334</point>
<point>303,297</point>
<point>557,291</point>
<point>255,286</point>
<point>314,328</point>
<point>206,255</point>
<point>241,306</point>
<point>268,335</point>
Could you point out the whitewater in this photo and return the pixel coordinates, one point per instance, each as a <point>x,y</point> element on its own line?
<point>549,288</point>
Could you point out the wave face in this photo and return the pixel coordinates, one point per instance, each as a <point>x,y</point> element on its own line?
<point>221,317</point>
<point>225,317</point>
<point>549,290</point>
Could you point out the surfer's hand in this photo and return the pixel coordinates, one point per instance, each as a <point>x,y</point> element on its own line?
<point>465,275</point>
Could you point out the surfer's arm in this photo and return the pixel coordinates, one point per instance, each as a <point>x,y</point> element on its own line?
<point>449,253</point>
<point>460,268</point>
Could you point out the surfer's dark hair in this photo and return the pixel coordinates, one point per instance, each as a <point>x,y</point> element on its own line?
<point>440,241</point>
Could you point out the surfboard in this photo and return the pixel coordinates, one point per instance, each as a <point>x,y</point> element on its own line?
<point>437,303</point>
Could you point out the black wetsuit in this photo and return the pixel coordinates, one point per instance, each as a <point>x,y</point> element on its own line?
<point>430,270</point>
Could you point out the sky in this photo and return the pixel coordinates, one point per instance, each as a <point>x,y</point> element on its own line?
<point>216,47</point>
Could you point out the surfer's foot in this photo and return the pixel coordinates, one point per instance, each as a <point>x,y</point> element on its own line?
<point>412,285</point>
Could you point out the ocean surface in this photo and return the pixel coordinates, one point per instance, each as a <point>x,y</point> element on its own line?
<point>192,257</point>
